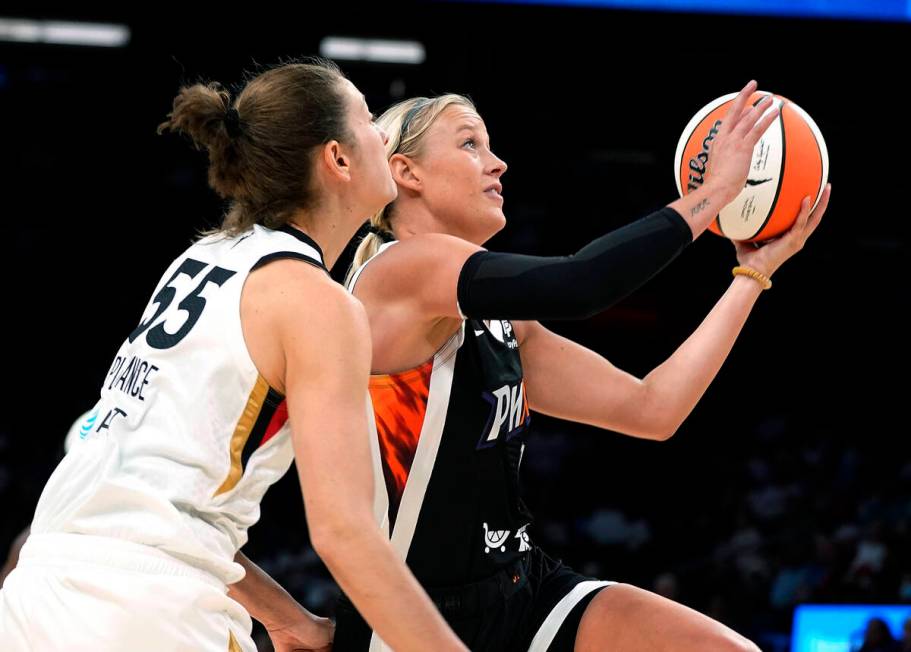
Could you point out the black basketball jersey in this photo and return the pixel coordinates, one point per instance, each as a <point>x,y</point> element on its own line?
<point>451,435</point>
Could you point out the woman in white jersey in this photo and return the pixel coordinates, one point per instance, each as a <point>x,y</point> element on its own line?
<point>455,379</point>
<point>247,357</point>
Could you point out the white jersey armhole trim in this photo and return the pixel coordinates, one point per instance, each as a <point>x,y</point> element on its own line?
<point>459,308</point>
<point>241,353</point>
<point>380,493</point>
<point>357,274</point>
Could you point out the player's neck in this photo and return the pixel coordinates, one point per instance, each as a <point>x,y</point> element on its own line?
<point>332,230</point>
<point>416,219</point>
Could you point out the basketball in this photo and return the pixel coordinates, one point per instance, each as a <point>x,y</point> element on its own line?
<point>790,162</point>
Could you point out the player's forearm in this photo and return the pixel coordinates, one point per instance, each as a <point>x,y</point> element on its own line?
<point>264,598</point>
<point>701,206</point>
<point>378,583</point>
<point>678,383</point>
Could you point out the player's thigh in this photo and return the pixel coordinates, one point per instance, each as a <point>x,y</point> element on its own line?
<point>624,617</point>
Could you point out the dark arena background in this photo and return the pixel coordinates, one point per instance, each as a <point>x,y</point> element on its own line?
<point>781,507</point>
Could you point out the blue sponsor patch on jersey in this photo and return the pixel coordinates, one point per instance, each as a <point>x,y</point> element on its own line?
<point>88,424</point>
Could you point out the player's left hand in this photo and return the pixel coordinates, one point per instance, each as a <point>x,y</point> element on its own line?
<point>768,256</point>
<point>307,635</point>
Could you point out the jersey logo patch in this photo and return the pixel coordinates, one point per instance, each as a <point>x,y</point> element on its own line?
<point>88,424</point>
<point>495,539</point>
<point>522,536</point>
<point>502,331</point>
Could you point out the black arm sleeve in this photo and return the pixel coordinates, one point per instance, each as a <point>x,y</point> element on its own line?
<point>512,286</point>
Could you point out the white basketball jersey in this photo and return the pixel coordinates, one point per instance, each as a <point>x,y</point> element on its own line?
<point>186,436</point>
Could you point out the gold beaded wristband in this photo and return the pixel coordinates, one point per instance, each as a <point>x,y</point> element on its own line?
<point>759,277</point>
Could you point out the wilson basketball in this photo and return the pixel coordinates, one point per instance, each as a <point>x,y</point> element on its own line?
<point>790,162</point>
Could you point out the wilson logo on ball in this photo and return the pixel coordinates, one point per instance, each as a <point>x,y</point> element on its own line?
<point>698,164</point>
